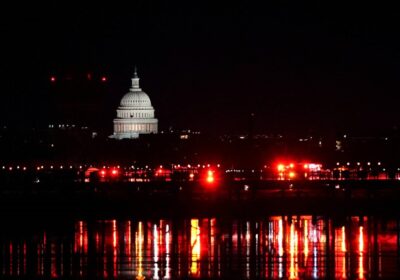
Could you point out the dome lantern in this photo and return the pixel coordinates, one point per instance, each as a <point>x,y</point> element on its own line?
<point>135,81</point>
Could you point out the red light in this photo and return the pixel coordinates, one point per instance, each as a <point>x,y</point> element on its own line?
<point>104,79</point>
<point>52,79</point>
<point>114,172</point>
<point>210,176</point>
<point>103,173</point>
<point>281,167</point>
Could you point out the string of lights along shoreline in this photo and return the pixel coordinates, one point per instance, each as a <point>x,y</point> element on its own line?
<point>135,114</point>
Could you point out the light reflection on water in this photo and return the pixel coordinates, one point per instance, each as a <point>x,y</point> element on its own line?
<point>292,247</point>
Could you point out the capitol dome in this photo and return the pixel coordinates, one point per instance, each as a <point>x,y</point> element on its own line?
<point>135,114</point>
<point>135,99</point>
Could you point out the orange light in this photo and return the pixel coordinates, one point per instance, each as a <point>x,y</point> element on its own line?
<point>305,166</point>
<point>292,174</point>
<point>291,165</point>
<point>281,167</point>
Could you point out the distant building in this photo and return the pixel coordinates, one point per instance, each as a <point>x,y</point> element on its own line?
<point>135,114</point>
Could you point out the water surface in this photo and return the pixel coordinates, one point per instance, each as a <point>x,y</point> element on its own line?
<point>273,247</point>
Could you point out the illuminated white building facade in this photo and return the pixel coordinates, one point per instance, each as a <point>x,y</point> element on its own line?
<point>135,114</point>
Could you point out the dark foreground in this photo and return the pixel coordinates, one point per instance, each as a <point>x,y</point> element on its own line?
<point>185,199</point>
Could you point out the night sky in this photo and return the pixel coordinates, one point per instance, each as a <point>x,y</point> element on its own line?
<point>301,69</point>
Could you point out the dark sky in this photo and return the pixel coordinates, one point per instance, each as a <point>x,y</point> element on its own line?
<point>298,68</point>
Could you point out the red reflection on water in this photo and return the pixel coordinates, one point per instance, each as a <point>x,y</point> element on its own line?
<point>115,243</point>
<point>156,250</point>
<point>212,250</point>
<point>11,258</point>
<point>305,240</point>
<point>340,253</point>
<point>24,258</point>
<point>128,244</point>
<point>53,263</point>
<point>293,270</point>
<point>361,252</point>
<point>168,242</point>
<point>81,244</point>
<point>81,239</point>
<point>280,247</point>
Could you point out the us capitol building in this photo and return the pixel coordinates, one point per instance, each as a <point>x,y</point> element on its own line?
<point>135,114</point>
